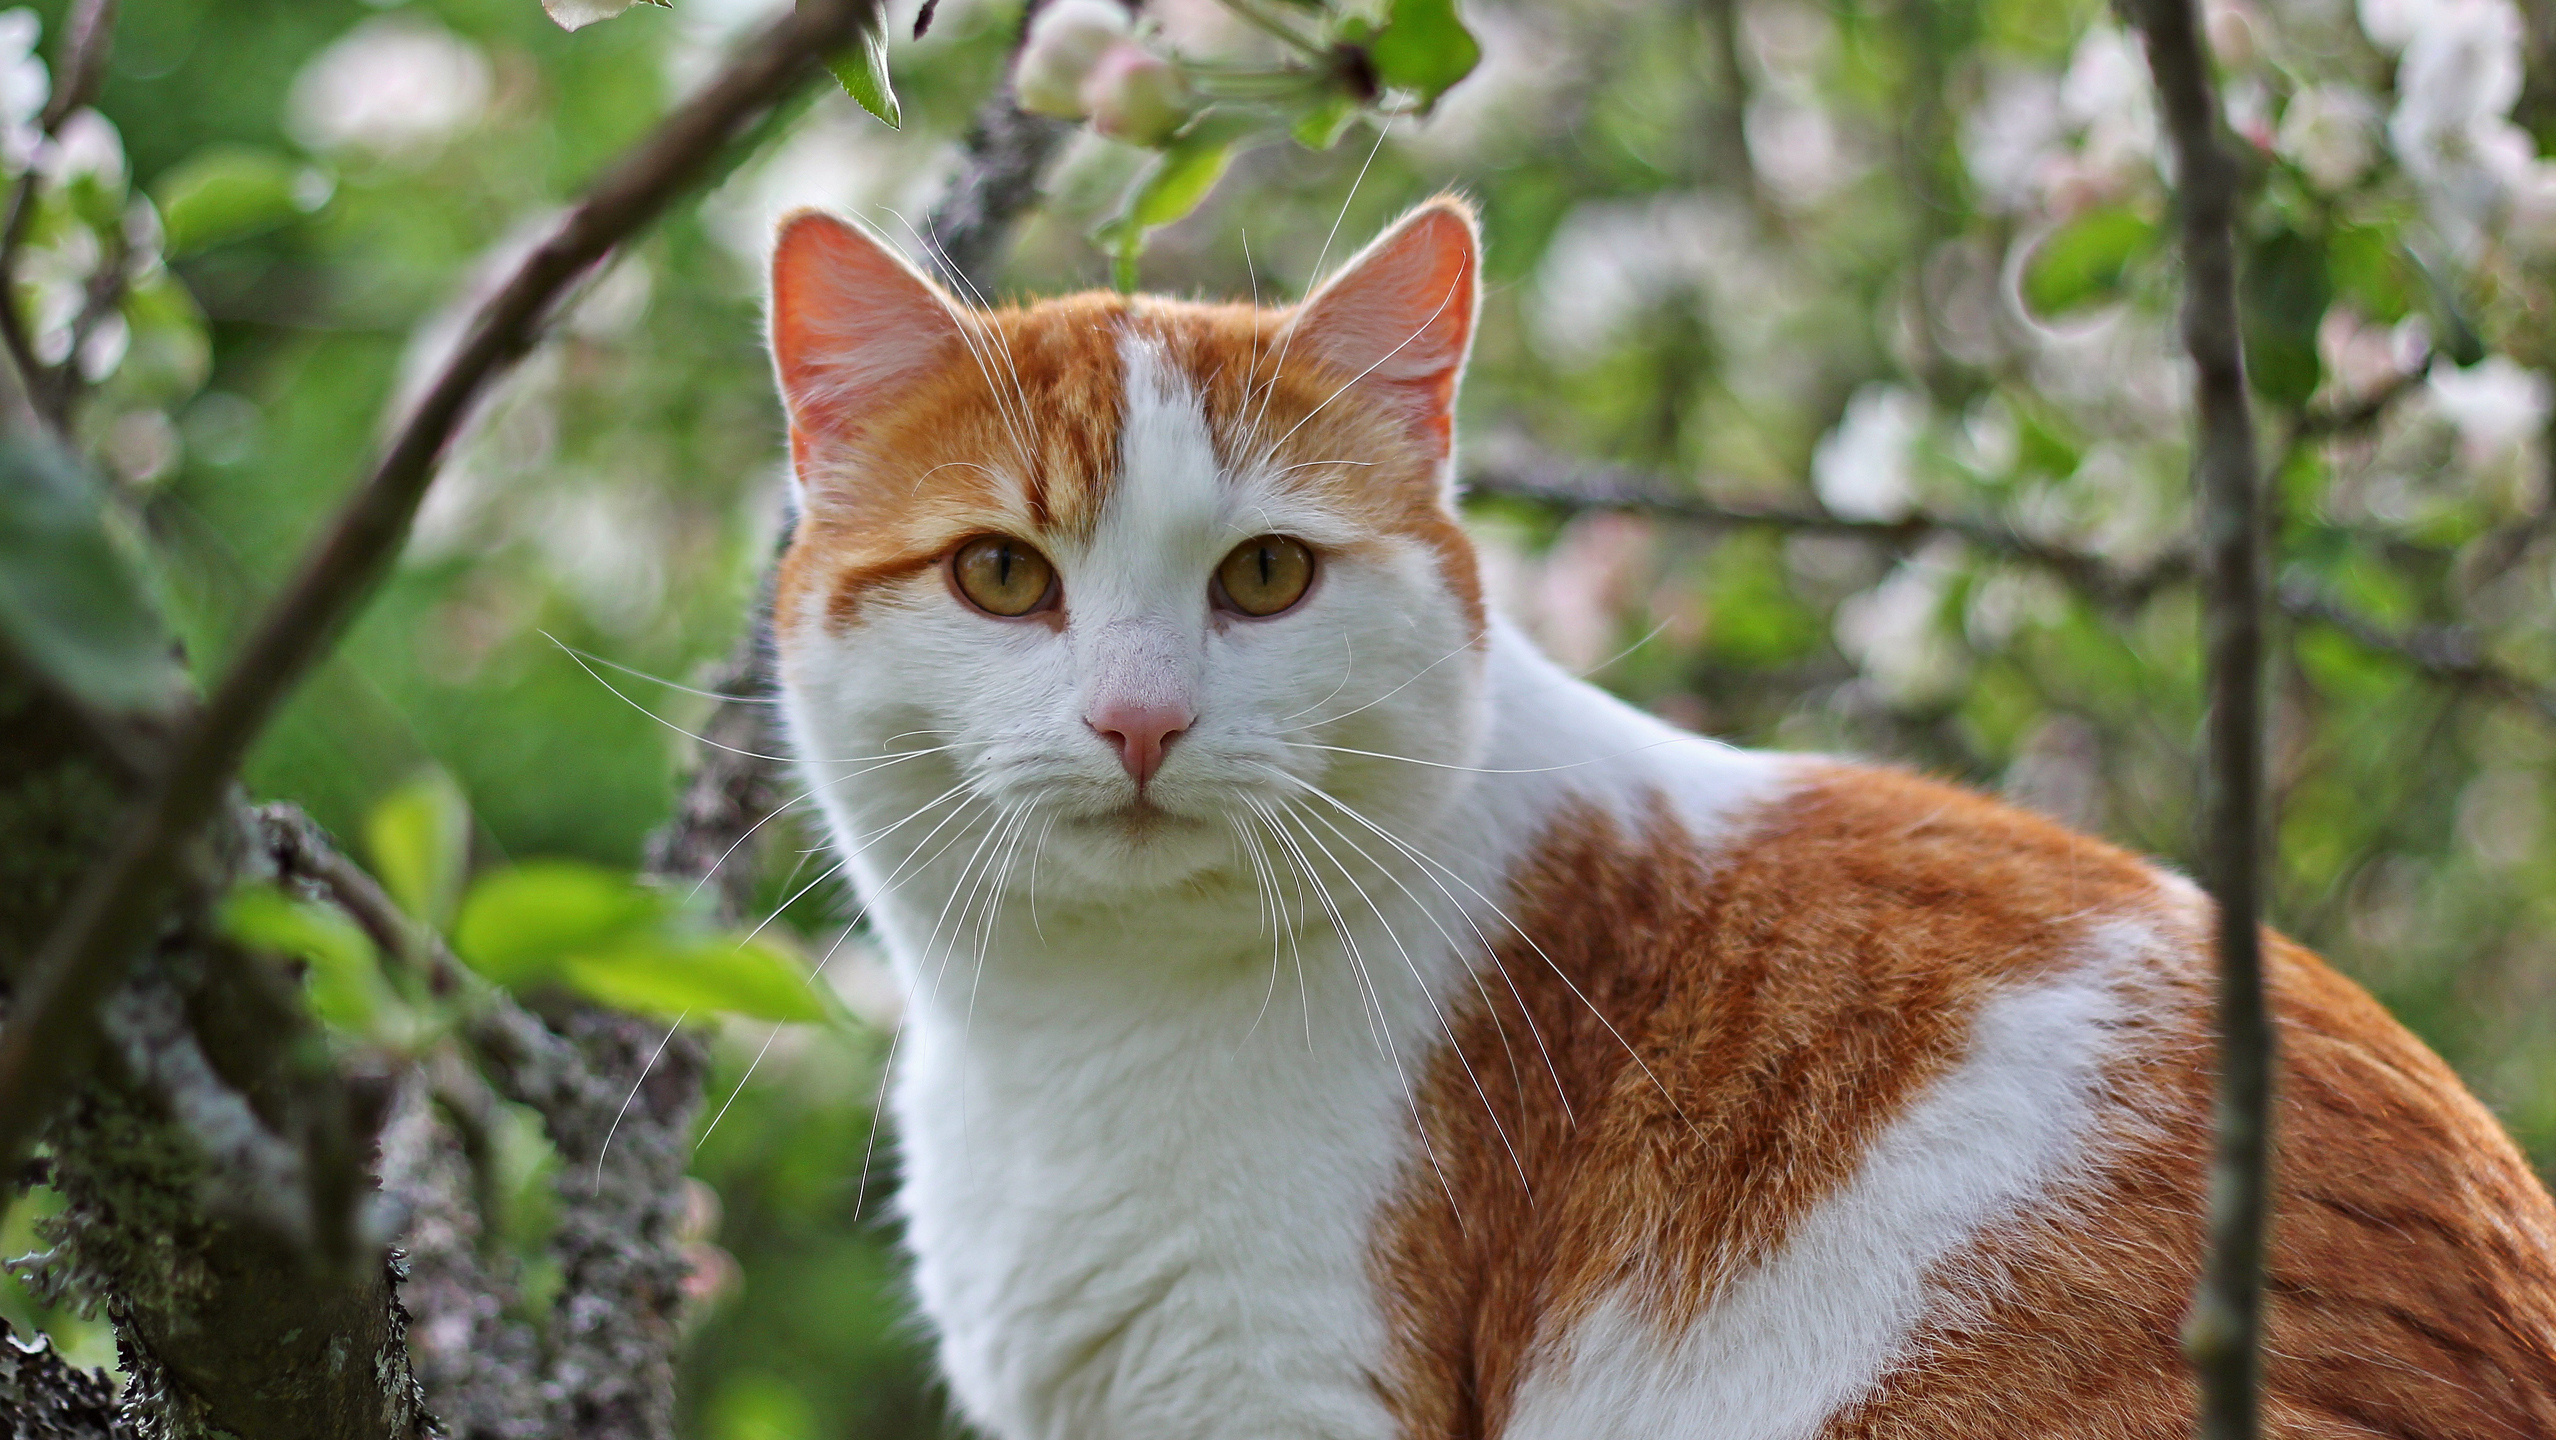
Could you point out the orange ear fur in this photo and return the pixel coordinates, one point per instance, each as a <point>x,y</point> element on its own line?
<point>1401,314</point>
<point>854,327</point>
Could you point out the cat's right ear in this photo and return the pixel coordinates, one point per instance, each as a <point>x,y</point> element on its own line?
<point>854,328</point>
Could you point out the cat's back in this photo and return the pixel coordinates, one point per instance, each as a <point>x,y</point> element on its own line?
<point>1886,1114</point>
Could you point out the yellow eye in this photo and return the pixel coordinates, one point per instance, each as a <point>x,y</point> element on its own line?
<point>1265,575</point>
<point>1001,575</point>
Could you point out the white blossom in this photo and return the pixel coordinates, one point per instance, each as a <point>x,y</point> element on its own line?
<point>2231,29</point>
<point>2361,359</point>
<point>2391,24</point>
<point>2328,130</point>
<point>1862,470</point>
<point>395,85</point>
<point>86,146</point>
<point>1896,632</point>
<point>2013,138</point>
<point>1135,95</point>
<point>1064,44</point>
<point>2460,73</point>
<point>2494,406</point>
<point>1795,147</point>
<point>2107,93</point>
<point>25,86</point>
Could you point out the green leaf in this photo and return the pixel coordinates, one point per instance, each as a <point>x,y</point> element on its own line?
<point>863,71</point>
<point>714,975</point>
<point>519,924</point>
<point>1424,48</point>
<point>1170,188</point>
<point>224,193</point>
<point>2284,290</point>
<point>2085,262</point>
<point>1323,124</point>
<point>70,603</point>
<point>170,353</point>
<point>2367,265</point>
<point>344,974</point>
<point>420,838</point>
<point>521,1163</point>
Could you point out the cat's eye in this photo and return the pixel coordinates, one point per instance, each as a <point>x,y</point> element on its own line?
<point>1003,576</point>
<point>1265,575</point>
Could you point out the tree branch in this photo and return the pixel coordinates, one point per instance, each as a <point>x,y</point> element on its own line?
<point>1517,473</point>
<point>51,1035</point>
<point>2447,654</point>
<point>2222,1329</point>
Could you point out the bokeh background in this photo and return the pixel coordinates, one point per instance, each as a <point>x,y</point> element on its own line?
<point>1882,259</point>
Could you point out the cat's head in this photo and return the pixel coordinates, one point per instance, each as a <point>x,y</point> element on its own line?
<point>1154,573</point>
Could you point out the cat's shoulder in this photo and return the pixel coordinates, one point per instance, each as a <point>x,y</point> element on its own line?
<point>1839,854</point>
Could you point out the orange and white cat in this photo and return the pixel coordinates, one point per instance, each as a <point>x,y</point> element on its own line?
<point>1329,1019</point>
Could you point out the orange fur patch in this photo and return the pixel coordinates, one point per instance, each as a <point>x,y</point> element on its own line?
<point>1020,432</point>
<point>1028,442</point>
<point>1789,999</point>
<point>2409,1287</point>
<point>1272,402</point>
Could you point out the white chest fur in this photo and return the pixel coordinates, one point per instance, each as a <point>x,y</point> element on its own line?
<point>1139,1201</point>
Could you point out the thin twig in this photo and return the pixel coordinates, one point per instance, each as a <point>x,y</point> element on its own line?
<point>1606,488</point>
<point>2451,655</point>
<point>2222,1329</point>
<point>51,1031</point>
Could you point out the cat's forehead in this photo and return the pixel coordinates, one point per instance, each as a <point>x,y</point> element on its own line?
<point>1130,428</point>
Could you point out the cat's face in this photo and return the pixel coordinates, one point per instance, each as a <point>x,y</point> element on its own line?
<point>1148,577</point>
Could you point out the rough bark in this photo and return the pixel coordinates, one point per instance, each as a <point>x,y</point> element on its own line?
<point>213,1168</point>
<point>213,1153</point>
<point>43,1398</point>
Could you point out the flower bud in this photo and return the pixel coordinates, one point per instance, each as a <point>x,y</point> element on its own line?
<point>1135,96</point>
<point>1066,39</point>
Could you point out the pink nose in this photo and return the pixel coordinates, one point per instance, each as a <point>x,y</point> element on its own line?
<point>1140,733</point>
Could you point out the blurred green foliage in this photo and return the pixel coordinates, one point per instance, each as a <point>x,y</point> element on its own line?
<point>1896,256</point>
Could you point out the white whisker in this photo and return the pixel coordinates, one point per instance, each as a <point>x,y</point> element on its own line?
<point>1447,1032</point>
<point>1596,1012</point>
<point>1289,332</point>
<point>1462,649</point>
<point>1465,914</point>
<point>1377,1001</point>
<point>658,679</point>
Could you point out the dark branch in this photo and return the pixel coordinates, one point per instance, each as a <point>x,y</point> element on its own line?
<point>2447,654</point>
<point>999,177</point>
<point>2223,1326</point>
<point>1516,474</point>
<point>51,1035</point>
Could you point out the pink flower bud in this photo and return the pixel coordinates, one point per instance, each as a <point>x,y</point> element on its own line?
<point>1065,40</point>
<point>1135,96</point>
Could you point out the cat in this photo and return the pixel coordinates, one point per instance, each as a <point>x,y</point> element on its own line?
<point>1329,1019</point>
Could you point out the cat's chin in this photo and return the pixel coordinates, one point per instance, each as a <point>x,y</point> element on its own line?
<point>1139,822</point>
<point>1136,847</point>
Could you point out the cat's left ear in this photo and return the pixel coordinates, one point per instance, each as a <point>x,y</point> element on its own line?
<point>1401,315</point>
